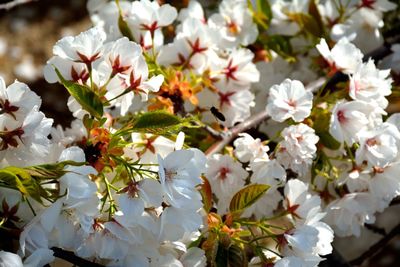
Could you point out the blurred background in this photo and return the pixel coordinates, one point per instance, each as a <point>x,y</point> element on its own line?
<point>27,35</point>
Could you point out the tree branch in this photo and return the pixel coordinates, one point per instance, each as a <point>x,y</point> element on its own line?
<point>232,133</point>
<point>376,247</point>
<point>334,259</point>
<point>395,201</point>
<point>72,258</point>
<point>376,229</point>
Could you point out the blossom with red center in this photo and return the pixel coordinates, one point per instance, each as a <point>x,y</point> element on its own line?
<point>370,84</point>
<point>226,177</point>
<point>225,98</point>
<point>229,71</point>
<point>350,118</point>
<point>87,47</point>
<point>289,100</point>
<point>299,202</point>
<point>79,76</point>
<point>379,146</point>
<point>344,56</point>
<point>17,100</point>
<point>146,20</point>
<point>179,173</point>
<point>235,23</point>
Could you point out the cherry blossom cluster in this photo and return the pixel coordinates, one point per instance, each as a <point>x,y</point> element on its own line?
<point>136,179</point>
<point>209,48</point>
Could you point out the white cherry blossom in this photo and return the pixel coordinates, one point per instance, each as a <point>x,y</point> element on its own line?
<point>146,20</point>
<point>370,84</point>
<point>235,23</point>
<point>87,47</point>
<point>344,56</point>
<point>348,119</point>
<point>298,148</point>
<point>17,100</point>
<point>226,178</point>
<point>379,146</point>
<point>289,100</point>
<point>247,148</point>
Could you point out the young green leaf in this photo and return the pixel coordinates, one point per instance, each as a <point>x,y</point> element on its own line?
<point>51,171</point>
<point>122,25</point>
<point>308,23</point>
<point>247,197</point>
<point>221,256</point>
<point>280,44</point>
<point>159,122</point>
<point>321,127</point>
<point>236,256</point>
<point>206,194</point>
<point>84,95</point>
<point>19,179</point>
<point>124,28</point>
<point>265,9</point>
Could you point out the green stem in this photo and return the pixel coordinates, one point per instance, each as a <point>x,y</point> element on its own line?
<point>111,209</point>
<point>261,237</point>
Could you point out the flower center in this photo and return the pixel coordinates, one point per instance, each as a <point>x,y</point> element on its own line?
<point>6,107</point>
<point>223,173</point>
<point>341,117</point>
<point>10,138</point>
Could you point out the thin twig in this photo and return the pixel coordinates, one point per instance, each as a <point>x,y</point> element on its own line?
<point>230,134</point>
<point>376,247</point>
<point>212,132</point>
<point>395,201</point>
<point>12,4</point>
<point>376,229</point>
<point>334,259</point>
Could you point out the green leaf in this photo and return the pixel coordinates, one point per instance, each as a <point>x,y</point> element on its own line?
<point>280,44</point>
<point>11,179</point>
<point>51,171</point>
<point>263,15</point>
<point>122,25</point>
<point>328,141</point>
<point>221,257</point>
<point>84,95</point>
<point>236,257</point>
<point>265,8</point>
<point>321,127</point>
<point>307,23</point>
<point>206,194</point>
<point>19,179</point>
<point>247,197</point>
<point>124,28</point>
<point>159,122</point>
<point>155,120</point>
<point>314,12</point>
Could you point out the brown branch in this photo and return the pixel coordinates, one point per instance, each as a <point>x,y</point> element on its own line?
<point>376,247</point>
<point>232,133</point>
<point>12,4</point>
<point>69,256</point>
<point>376,229</point>
<point>395,201</point>
<point>72,258</point>
<point>334,259</point>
